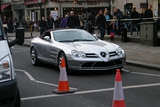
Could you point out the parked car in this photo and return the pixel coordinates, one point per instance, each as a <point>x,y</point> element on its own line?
<point>80,49</point>
<point>9,92</point>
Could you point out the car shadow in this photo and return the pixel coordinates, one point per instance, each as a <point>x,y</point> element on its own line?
<point>81,72</point>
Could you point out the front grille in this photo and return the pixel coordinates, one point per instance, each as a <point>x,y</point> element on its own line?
<point>111,54</point>
<point>91,55</point>
<point>95,65</point>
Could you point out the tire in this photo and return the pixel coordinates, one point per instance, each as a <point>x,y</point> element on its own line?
<point>62,55</point>
<point>18,101</point>
<point>33,55</point>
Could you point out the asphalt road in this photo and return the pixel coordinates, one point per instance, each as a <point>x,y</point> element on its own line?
<point>92,89</point>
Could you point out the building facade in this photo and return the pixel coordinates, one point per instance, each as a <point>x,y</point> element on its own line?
<point>33,10</point>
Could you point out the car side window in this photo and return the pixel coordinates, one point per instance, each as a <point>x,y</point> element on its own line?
<point>47,34</point>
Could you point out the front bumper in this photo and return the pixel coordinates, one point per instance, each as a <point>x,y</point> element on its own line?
<point>8,92</point>
<point>96,65</point>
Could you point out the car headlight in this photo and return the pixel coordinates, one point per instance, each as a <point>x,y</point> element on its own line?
<point>119,51</point>
<point>78,54</point>
<point>5,71</point>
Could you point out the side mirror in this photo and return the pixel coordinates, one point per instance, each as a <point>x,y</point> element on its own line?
<point>19,37</point>
<point>47,38</point>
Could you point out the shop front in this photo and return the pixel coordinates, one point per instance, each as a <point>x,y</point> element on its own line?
<point>6,10</point>
<point>34,10</point>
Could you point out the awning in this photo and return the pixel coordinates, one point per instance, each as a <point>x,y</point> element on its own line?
<point>33,1</point>
<point>3,6</point>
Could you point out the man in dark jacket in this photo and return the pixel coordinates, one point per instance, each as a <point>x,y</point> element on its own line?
<point>149,13</point>
<point>71,21</point>
<point>43,25</point>
<point>50,22</point>
<point>135,21</point>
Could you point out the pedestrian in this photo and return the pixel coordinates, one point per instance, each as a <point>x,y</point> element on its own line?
<point>101,23</point>
<point>108,17</point>
<point>63,23</point>
<point>82,22</point>
<point>57,22</point>
<point>43,25</point>
<point>50,22</point>
<point>90,22</point>
<point>149,13</point>
<point>15,24</point>
<point>113,25</point>
<point>135,20</point>
<point>77,21</point>
<point>71,22</point>
<point>118,13</point>
<point>10,25</point>
<point>25,24</point>
<point>5,24</point>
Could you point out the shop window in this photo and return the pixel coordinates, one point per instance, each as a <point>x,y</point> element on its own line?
<point>143,5</point>
<point>128,7</point>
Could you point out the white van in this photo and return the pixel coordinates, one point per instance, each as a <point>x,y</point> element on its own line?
<point>9,92</point>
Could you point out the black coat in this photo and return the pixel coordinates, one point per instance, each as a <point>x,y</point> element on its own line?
<point>43,24</point>
<point>50,22</point>
<point>72,22</point>
<point>101,20</point>
<point>148,14</point>
<point>134,15</point>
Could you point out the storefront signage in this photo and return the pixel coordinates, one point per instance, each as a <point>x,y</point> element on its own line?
<point>54,14</point>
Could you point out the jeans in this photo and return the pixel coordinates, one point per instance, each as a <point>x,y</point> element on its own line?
<point>102,31</point>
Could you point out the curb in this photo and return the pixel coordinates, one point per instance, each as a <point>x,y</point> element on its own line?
<point>143,65</point>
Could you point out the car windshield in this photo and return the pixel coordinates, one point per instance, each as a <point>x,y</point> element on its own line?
<point>73,36</point>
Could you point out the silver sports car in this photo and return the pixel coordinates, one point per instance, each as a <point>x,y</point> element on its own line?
<point>80,49</point>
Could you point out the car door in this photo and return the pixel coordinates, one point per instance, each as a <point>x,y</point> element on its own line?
<point>45,47</point>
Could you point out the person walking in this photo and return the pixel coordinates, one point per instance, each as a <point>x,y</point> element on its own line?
<point>90,22</point>
<point>63,23</point>
<point>50,22</point>
<point>5,24</point>
<point>101,23</point>
<point>135,21</point>
<point>43,25</point>
<point>72,21</point>
<point>108,17</point>
<point>149,13</point>
<point>10,25</point>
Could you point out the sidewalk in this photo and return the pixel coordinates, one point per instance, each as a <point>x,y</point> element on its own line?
<point>137,54</point>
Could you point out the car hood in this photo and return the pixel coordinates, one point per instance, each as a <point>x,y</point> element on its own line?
<point>3,49</point>
<point>92,46</point>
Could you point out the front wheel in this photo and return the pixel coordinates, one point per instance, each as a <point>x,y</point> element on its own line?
<point>18,101</point>
<point>62,55</point>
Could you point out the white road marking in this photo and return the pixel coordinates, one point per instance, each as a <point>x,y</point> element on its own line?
<point>28,75</point>
<point>85,92</point>
<point>89,91</point>
<point>41,82</point>
<point>156,75</point>
<point>52,84</point>
<point>125,70</point>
